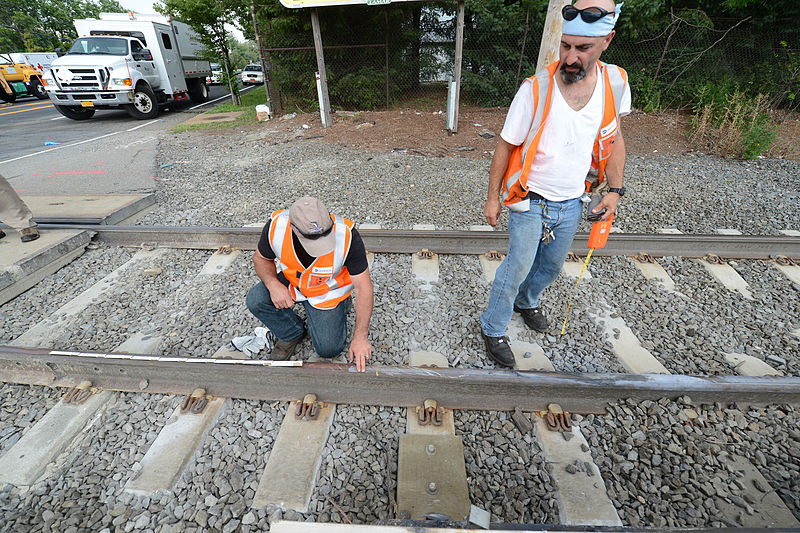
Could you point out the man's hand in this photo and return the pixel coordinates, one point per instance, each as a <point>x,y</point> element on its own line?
<point>609,202</point>
<point>280,295</point>
<point>492,210</point>
<point>361,350</point>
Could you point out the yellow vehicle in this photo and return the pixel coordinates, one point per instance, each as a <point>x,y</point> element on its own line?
<point>21,79</point>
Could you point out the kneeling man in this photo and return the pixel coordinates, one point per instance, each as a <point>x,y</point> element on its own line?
<point>320,260</point>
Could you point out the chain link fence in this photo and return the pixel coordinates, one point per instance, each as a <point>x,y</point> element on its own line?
<point>389,58</point>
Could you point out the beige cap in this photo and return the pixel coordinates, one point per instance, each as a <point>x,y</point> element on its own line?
<point>312,224</point>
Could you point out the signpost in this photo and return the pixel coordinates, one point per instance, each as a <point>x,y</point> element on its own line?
<point>322,80</point>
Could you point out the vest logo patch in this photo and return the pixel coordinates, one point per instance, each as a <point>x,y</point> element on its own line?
<point>322,270</point>
<point>609,129</point>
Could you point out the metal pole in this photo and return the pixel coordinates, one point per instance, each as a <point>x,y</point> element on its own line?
<point>386,49</point>
<point>459,54</point>
<point>261,56</point>
<point>551,35</point>
<point>324,104</point>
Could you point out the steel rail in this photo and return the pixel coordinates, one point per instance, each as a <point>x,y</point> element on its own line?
<point>385,386</point>
<point>455,242</point>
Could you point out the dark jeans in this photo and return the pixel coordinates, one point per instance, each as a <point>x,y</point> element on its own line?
<point>328,327</point>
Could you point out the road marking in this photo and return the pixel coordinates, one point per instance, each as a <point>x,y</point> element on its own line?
<point>73,144</point>
<point>142,125</point>
<point>35,102</point>
<point>24,110</point>
<point>221,97</point>
<point>57,118</point>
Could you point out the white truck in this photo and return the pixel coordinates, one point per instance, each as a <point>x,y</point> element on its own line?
<point>137,62</point>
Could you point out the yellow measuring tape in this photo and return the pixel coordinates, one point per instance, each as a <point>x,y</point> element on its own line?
<point>585,263</point>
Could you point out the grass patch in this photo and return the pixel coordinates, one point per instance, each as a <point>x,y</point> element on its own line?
<point>250,100</point>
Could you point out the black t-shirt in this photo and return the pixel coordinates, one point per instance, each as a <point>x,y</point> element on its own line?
<point>356,260</point>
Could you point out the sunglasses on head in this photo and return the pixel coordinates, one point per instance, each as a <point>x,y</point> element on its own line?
<point>588,14</point>
<point>313,236</point>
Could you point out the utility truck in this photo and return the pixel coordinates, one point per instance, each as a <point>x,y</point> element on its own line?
<point>137,62</point>
<point>19,79</point>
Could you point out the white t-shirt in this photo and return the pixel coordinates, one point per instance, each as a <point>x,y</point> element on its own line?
<point>564,154</point>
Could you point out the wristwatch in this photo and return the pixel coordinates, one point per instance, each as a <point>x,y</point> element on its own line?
<point>618,190</point>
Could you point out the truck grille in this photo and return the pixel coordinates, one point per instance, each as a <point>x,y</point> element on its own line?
<point>73,78</point>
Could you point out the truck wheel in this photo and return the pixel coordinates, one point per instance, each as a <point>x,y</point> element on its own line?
<point>75,112</point>
<point>37,89</point>
<point>144,104</point>
<point>198,92</point>
<point>10,98</point>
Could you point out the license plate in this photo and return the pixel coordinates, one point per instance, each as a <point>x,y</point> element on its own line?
<point>87,104</point>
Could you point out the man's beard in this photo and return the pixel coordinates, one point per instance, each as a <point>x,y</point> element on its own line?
<point>570,77</point>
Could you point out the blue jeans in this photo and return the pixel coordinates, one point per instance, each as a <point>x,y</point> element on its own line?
<point>531,265</point>
<point>328,327</point>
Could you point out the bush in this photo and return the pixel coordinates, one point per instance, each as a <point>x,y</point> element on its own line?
<point>728,122</point>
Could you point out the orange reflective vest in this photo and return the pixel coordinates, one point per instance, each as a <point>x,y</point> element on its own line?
<point>325,282</point>
<point>515,182</point>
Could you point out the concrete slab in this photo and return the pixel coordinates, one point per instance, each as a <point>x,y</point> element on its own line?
<point>23,265</point>
<point>669,231</point>
<point>176,444</point>
<point>573,270</point>
<point>656,273</point>
<point>210,118</point>
<point>291,472</point>
<point>86,208</point>
<point>367,225</point>
<point>791,232</point>
<point>432,477</point>
<point>728,276</point>
<point>727,231</point>
<point>425,270</point>
<point>51,327</point>
<point>528,356</point>
<point>423,227</point>
<point>790,271</point>
<point>582,498</point>
<point>626,346</point>
<point>489,266</point>
<point>481,227</point>
<point>27,459</point>
<point>768,511</point>
<point>428,359</point>
<point>218,263</point>
<point>747,365</point>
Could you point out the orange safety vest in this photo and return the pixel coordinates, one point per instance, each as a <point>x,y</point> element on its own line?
<point>326,281</point>
<point>515,182</point>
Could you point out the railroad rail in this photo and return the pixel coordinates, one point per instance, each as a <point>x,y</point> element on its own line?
<point>455,388</point>
<point>456,242</point>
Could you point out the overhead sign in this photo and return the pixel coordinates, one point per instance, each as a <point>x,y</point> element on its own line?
<point>294,4</point>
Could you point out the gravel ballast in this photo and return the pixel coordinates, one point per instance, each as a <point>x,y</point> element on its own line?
<point>688,332</point>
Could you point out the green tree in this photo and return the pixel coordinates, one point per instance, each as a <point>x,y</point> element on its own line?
<point>44,25</point>
<point>208,19</point>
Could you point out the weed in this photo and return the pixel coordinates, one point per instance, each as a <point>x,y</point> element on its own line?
<point>731,123</point>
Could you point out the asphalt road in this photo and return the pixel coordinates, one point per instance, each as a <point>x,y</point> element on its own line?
<point>110,153</point>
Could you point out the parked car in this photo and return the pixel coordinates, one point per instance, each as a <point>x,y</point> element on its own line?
<point>252,75</point>
<point>216,75</point>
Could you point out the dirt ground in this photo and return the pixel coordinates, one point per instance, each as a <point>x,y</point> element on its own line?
<point>424,133</point>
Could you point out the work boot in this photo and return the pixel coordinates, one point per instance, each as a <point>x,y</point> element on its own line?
<point>498,349</point>
<point>28,234</point>
<point>283,350</point>
<point>533,318</point>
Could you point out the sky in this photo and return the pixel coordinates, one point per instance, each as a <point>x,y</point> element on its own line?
<point>146,6</point>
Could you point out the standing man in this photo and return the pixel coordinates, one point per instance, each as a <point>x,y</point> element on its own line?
<point>15,213</point>
<point>320,259</point>
<point>563,122</point>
